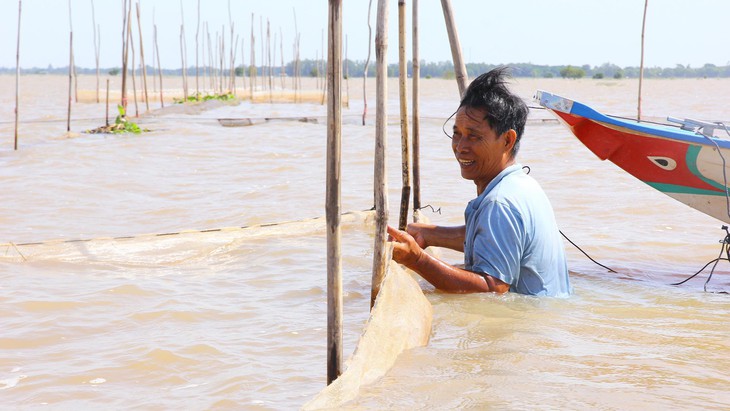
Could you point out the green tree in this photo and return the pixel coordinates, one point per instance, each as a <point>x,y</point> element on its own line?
<point>572,72</point>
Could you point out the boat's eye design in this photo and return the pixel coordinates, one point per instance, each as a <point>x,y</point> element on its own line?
<point>664,163</point>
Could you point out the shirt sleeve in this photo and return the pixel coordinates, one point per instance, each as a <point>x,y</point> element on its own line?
<point>498,242</point>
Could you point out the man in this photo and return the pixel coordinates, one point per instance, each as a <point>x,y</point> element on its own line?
<point>510,240</point>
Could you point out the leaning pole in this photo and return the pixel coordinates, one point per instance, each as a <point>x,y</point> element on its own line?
<point>17,76</point>
<point>334,255</point>
<point>381,133</point>
<point>641,69</point>
<point>459,67</point>
<point>405,143</point>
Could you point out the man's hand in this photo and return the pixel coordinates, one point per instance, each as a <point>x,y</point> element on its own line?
<point>406,249</point>
<point>419,233</point>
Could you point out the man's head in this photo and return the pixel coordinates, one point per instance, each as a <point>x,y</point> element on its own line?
<point>503,110</point>
<point>488,127</point>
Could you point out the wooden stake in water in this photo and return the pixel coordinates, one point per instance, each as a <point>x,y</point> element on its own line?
<point>381,138</point>
<point>252,67</point>
<point>197,69</point>
<point>107,102</point>
<point>183,53</point>
<point>367,64</point>
<point>141,56</point>
<point>125,55</point>
<point>17,76</point>
<point>97,49</point>
<point>641,69</point>
<point>416,75</point>
<point>334,257</point>
<point>159,68</point>
<point>405,142</point>
<point>70,78</point>
<point>134,68</point>
<point>459,67</point>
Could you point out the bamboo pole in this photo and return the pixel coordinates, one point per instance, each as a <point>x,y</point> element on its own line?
<point>405,142</point>
<point>641,69</point>
<point>154,55</point>
<point>182,60</point>
<point>70,78</point>
<point>183,52</point>
<point>268,61</point>
<point>159,68</point>
<point>197,64</point>
<point>416,79</point>
<point>281,45</point>
<point>252,67</point>
<point>459,67</point>
<point>141,56</point>
<point>263,54</point>
<point>381,122</point>
<point>97,34</point>
<point>243,67</point>
<point>17,76</point>
<point>232,67</point>
<point>134,67</point>
<point>211,61</point>
<point>234,48</point>
<point>347,76</point>
<point>221,58</point>
<point>107,102</point>
<point>75,80</point>
<point>367,64</point>
<point>125,56</point>
<point>73,60</point>
<point>334,257</point>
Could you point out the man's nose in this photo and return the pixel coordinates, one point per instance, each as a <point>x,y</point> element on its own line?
<point>459,145</point>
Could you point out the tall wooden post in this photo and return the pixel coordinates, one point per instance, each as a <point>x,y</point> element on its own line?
<point>197,63</point>
<point>365,71</point>
<point>17,76</point>
<point>416,79</point>
<point>641,68</point>
<point>159,68</point>
<point>405,142</point>
<point>97,40</point>
<point>141,56</point>
<point>107,102</point>
<point>70,78</point>
<point>381,134</point>
<point>334,128</point>
<point>459,67</point>
<point>125,56</point>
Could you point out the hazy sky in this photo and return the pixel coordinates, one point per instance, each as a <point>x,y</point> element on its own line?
<point>551,32</point>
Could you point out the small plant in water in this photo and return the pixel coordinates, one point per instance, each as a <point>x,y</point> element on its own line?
<point>121,125</point>
<point>197,97</point>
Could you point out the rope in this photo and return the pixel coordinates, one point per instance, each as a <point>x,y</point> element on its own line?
<point>725,247</point>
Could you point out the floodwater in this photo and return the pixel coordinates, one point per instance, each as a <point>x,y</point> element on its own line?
<point>236,319</point>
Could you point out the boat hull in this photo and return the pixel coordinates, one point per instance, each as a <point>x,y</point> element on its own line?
<point>682,164</point>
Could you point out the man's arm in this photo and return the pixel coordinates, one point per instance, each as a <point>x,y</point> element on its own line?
<point>408,252</point>
<point>428,235</point>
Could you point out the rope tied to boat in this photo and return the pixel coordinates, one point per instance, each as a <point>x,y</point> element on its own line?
<point>724,248</point>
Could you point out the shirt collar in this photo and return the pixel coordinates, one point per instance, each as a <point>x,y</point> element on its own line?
<point>504,173</point>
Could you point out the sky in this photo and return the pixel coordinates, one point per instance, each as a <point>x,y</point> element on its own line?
<point>555,32</point>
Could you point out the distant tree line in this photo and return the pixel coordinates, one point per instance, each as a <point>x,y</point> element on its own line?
<point>443,69</point>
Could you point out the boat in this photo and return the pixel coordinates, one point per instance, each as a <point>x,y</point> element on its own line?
<point>682,158</point>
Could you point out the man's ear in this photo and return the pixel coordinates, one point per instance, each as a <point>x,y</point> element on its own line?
<point>510,138</point>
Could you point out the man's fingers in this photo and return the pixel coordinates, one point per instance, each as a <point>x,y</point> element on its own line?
<point>396,234</point>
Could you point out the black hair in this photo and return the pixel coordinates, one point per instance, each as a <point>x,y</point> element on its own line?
<point>504,110</point>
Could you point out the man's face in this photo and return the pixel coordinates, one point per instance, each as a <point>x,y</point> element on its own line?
<point>481,153</point>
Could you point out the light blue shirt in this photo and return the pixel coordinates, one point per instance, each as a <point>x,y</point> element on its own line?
<point>511,234</point>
